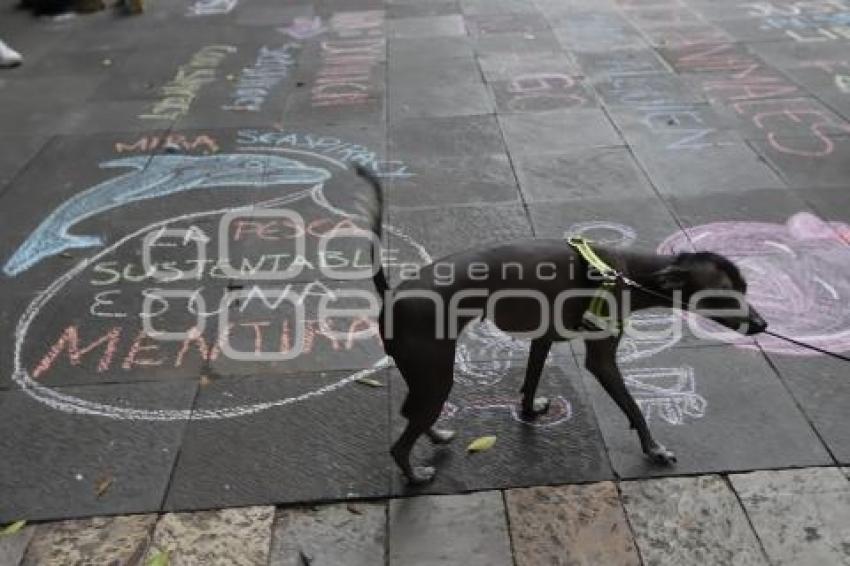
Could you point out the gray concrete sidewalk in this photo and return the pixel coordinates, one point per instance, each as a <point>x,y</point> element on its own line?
<point>798,517</point>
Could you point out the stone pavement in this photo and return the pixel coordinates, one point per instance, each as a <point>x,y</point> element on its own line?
<point>795,517</point>
<point>654,125</point>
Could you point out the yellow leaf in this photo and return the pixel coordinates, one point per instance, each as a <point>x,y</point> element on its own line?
<point>12,528</point>
<point>102,485</point>
<point>481,444</point>
<point>160,559</point>
<point>369,381</point>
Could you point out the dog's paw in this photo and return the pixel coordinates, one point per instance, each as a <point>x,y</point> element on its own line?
<point>539,406</point>
<point>421,475</point>
<point>441,435</point>
<point>661,456</point>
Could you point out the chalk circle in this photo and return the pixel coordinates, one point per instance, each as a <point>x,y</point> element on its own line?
<point>797,274</point>
<point>75,405</point>
<point>604,233</point>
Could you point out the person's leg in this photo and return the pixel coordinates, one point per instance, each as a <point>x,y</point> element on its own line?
<point>8,56</point>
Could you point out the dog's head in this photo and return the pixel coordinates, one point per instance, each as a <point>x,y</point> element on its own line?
<point>712,286</point>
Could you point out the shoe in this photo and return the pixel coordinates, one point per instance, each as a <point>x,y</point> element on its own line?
<point>9,57</point>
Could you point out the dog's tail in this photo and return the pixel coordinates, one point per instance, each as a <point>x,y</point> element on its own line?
<point>374,211</point>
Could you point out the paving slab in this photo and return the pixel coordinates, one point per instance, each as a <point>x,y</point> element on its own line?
<point>410,10</point>
<point>800,516</point>
<point>662,89</point>
<point>718,168</point>
<point>640,224</point>
<point>540,92</point>
<point>562,446</point>
<point>596,31</point>
<point>105,540</point>
<point>443,231</point>
<point>264,439</point>
<point>557,131</point>
<point>445,137</point>
<point>451,25</point>
<point>466,179</point>
<point>444,529</point>
<point>507,66</point>
<point>239,536</point>
<point>453,88</point>
<point>821,390</point>
<point>12,547</point>
<point>622,62</point>
<point>354,534</point>
<point>402,53</point>
<point>473,7</point>
<point>570,525</point>
<point>718,409</point>
<point>811,162</point>
<point>495,24</point>
<point>18,151</point>
<point>597,173</point>
<point>676,127</point>
<point>65,463</point>
<point>541,41</point>
<point>688,521</point>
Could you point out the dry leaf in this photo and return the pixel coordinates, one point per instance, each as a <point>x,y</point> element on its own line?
<point>102,485</point>
<point>369,381</point>
<point>481,444</point>
<point>354,509</point>
<point>107,62</point>
<point>66,255</point>
<point>12,528</point>
<point>160,559</point>
<point>204,381</point>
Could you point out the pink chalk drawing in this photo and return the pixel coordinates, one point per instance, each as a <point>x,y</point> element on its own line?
<point>798,276</point>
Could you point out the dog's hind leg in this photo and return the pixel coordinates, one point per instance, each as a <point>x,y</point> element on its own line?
<point>429,385</point>
<point>601,361</point>
<point>533,406</point>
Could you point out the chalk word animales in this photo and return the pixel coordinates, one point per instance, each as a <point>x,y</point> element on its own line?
<point>154,177</point>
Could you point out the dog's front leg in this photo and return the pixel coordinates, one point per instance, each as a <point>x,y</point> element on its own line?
<point>601,361</point>
<point>533,406</point>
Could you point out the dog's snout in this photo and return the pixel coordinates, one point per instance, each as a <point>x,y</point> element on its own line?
<point>756,323</point>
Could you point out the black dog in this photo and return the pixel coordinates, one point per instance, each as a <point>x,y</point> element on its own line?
<point>418,331</point>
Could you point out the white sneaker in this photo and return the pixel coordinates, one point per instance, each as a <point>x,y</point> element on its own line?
<point>9,57</point>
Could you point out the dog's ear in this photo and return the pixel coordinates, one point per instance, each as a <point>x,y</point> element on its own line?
<point>672,278</point>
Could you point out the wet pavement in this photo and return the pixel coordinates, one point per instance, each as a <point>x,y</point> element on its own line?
<point>657,125</point>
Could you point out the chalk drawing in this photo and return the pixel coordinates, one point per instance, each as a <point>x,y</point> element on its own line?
<point>270,69</point>
<point>212,7</point>
<point>154,177</point>
<point>141,351</point>
<point>182,90</point>
<point>798,275</point>
<point>604,233</point>
<point>560,409</point>
<point>669,393</point>
<point>304,28</point>
<point>485,354</point>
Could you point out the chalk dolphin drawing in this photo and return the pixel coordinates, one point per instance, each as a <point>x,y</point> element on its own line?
<point>154,177</point>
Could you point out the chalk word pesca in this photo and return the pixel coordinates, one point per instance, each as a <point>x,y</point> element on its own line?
<point>182,90</point>
<point>154,177</point>
<point>348,59</point>
<point>797,272</point>
<point>329,146</point>
<point>270,69</point>
<point>212,7</point>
